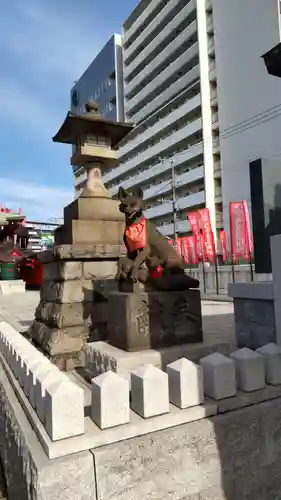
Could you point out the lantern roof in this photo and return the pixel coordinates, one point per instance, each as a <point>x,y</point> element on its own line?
<point>272,60</point>
<point>77,126</point>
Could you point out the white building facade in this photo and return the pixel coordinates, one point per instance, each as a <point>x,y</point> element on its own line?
<point>249,98</point>
<point>170,89</point>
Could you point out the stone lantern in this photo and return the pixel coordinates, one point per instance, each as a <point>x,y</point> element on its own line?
<point>94,140</point>
<point>79,272</point>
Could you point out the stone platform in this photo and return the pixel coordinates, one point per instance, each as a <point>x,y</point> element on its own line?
<point>154,319</point>
<point>254,313</point>
<point>11,286</point>
<point>73,300</point>
<point>101,356</point>
<point>162,439</point>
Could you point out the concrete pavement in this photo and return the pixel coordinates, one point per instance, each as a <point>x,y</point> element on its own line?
<point>18,310</point>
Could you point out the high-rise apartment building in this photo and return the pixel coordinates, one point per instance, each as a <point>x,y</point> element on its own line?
<point>170,93</point>
<point>102,82</point>
<point>196,87</point>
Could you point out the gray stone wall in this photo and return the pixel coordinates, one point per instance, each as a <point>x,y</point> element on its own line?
<point>227,457</point>
<point>28,472</point>
<point>254,322</point>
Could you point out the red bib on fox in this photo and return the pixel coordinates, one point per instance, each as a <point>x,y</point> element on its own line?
<point>135,236</point>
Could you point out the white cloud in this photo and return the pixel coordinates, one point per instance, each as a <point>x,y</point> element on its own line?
<point>38,202</point>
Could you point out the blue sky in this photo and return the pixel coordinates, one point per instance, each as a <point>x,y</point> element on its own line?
<point>44,46</point>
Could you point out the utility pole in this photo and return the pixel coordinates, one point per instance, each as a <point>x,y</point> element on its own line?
<point>174,199</point>
<point>172,163</point>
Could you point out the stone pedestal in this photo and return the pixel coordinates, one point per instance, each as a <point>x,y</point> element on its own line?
<point>253,313</point>
<point>73,300</point>
<point>141,320</point>
<point>91,220</point>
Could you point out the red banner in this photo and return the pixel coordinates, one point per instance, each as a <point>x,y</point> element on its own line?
<point>240,232</point>
<point>248,227</point>
<point>200,224</point>
<point>189,249</point>
<point>178,246</point>
<point>186,251</point>
<point>223,246</point>
<point>194,221</point>
<point>207,235</point>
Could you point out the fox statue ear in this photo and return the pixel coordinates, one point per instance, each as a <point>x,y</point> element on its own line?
<point>138,192</point>
<point>122,193</point>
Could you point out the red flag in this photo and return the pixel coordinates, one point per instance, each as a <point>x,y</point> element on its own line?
<point>194,221</point>
<point>191,243</point>
<point>178,246</point>
<point>186,249</point>
<point>240,233</point>
<point>223,247</point>
<point>248,227</point>
<point>207,235</point>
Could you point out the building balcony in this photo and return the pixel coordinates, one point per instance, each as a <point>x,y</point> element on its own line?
<point>209,6</point>
<point>216,145</point>
<point>214,97</point>
<point>166,207</point>
<point>180,180</point>
<point>79,180</point>
<point>182,226</point>
<point>159,149</point>
<point>160,168</point>
<point>87,153</point>
<point>215,120</point>
<point>160,59</point>
<point>166,13</point>
<point>151,90</point>
<point>219,219</point>
<point>137,24</point>
<point>210,25</point>
<point>218,194</point>
<point>211,46</point>
<point>159,39</point>
<point>212,72</point>
<point>181,84</point>
<point>162,124</point>
<point>217,170</point>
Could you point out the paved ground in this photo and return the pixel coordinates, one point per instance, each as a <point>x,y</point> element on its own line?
<point>18,310</point>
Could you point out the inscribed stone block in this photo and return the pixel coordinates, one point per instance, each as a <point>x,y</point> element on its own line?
<point>149,391</point>
<point>272,359</point>
<point>110,400</point>
<point>45,379</point>
<point>64,410</point>
<point>141,321</point>
<point>219,376</point>
<point>185,383</point>
<point>249,369</point>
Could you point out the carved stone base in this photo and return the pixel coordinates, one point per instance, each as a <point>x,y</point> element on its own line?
<point>73,307</point>
<point>154,319</point>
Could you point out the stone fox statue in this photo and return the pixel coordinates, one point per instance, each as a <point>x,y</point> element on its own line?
<point>149,254</point>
